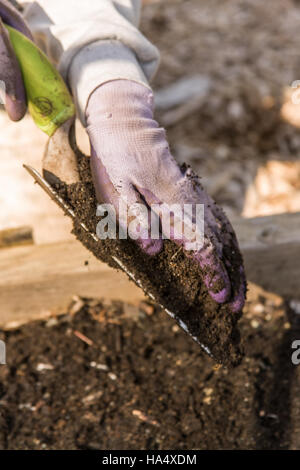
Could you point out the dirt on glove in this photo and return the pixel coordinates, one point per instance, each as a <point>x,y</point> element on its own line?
<point>172,277</point>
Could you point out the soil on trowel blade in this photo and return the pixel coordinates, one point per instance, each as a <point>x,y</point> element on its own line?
<point>171,276</point>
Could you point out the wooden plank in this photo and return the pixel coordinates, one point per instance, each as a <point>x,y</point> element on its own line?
<point>271,249</point>
<point>39,281</point>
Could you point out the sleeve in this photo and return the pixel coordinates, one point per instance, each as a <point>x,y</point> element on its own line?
<point>92,42</point>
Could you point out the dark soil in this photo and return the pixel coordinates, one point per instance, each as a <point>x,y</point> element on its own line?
<point>171,276</point>
<point>143,384</point>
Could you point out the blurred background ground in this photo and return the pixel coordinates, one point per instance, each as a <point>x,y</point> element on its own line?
<point>244,139</point>
<point>134,386</point>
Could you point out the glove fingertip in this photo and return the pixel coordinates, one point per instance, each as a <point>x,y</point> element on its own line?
<point>150,247</point>
<point>239,299</point>
<point>219,287</point>
<point>238,303</point>
<point>221,296</point>
<point>16,109</point>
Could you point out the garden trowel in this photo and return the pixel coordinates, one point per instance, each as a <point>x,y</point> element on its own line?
<point>51,107</point>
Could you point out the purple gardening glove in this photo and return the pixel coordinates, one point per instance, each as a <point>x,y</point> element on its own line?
<point>13,95</point>
<point>131,161</point>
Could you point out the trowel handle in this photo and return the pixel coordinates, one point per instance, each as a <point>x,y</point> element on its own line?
<point>49,101</point>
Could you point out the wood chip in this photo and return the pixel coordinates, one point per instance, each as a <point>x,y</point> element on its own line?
<point>76,305</point>
<point>146,419</point>
<point>83,338</point>
<point>44,367</point>
<point>147,308</point>
<point>92,398</point>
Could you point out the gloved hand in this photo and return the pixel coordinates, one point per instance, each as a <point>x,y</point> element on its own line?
<point>14,96</point>
<point>131,160</point>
